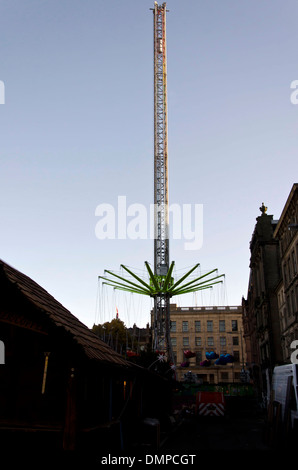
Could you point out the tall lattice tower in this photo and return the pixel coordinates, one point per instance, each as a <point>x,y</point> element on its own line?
<point>161,328</point>
<point>161,251</point>
<point>161,286</point>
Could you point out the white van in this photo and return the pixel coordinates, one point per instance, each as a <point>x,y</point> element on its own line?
<point>285,392</point>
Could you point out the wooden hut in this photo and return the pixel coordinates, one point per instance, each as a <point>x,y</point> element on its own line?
<point>60,385</point>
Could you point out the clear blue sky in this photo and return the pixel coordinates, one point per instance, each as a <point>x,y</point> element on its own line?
<point>76,131</point>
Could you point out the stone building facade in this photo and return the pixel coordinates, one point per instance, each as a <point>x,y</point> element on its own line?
<point>201,330</point>
<point>260,309</point>
<point>141,338</point>
<point>286,233</point>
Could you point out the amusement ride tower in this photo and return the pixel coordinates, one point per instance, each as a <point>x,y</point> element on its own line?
<point>161,327</point>
<point>161,285</point>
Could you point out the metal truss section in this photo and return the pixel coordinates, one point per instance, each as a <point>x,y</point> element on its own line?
<point>162,326</point>
<point>161,238</point>
<point>161,338</point>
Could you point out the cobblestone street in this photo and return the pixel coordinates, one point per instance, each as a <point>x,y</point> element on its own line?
<point>225,434</point>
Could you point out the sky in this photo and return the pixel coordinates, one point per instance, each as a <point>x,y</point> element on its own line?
<point>76,132</point>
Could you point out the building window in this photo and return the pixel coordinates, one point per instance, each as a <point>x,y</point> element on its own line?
<point>235,341</point>
<point>173,326</point>
<point>289,306</point>
<point>222,341</point>
<point>293,301</point>
<point>285,274</point>
<point>236,356</point>
<point>222,325</point>
<point>210,341</point>
<point>224,376</point>
<point>198,341</point>
<point>198,357</point>
<point>209,326</point>
<point>185,326</point>
<point>174,341</point>
<point>289,269</point>
<point>185,341</point>
<point>234,325</point>
<point>198,326</point>
<point>294,262</point>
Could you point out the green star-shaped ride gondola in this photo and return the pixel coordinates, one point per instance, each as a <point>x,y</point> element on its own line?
<point>161,285</point>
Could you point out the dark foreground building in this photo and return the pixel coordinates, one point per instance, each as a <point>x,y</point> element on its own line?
<point>61,387</point>
<point>260,309</point>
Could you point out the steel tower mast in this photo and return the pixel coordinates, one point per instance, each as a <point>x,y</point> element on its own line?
<point>162,339</point>
<point>161,286</point>
<point>161,242</point>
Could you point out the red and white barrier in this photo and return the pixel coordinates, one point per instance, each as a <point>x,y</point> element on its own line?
<point>210,404</point>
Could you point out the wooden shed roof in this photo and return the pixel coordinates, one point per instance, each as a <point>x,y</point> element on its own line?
<point>92,346</point>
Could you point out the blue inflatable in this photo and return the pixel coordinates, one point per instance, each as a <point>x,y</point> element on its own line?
<point>211,355</point>
<point>229,358</point>
<point>224,359</point>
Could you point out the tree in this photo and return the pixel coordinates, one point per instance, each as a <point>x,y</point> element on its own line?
<point>114,333</point>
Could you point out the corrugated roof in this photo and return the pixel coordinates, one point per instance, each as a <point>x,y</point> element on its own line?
<point>93,347</point>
